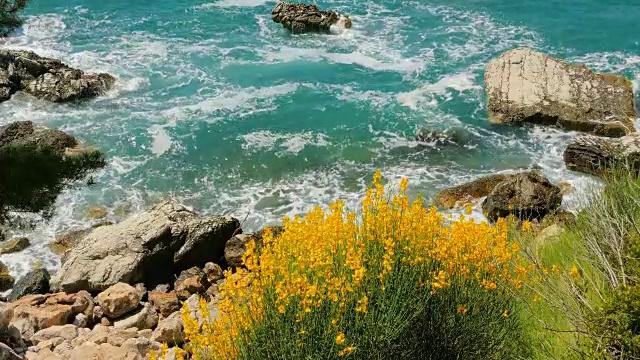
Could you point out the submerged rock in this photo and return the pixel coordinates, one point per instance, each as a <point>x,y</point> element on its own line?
<point>58,157</point>
<point>527,196</point>
<point>596,155</point>
<point>302,18</point>
<point>525,85</point>
<point>47,79</point>
<point>148,248</point>
<point>6,280</point>
<point>448,198</point>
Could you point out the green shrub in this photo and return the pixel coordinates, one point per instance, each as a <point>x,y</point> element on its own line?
<point>10,15</point>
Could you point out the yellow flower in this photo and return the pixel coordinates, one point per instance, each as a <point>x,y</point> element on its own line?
<point>346,351</point>
<point>340,338</point>
<point>505,313</point>
<point>362,304</point>
<point>575,273</point>
<point>526,225</point>
<point>462,310</point>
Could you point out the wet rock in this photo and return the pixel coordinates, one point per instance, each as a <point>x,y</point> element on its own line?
<point>47,79</point>
<point>97,212</point>
<point>170,330</point>
<point>14,245</point>
<point>525,85</point>
<point>6,280</point>
<point>598,156</point>
<point>145,318</point>
<point>35,282</point>
<point>236,246</point>
<point>527,196</point>
<point>465,193</point>
<point>164,303</point>
<point>303,18</point>
<point>148,248</point>
<point>435,138</point>
<point>118,300</point>
<point>45,311</point>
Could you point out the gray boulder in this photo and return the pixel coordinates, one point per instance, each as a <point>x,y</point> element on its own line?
<point>595,155</point>
<point>35,282</point>
<point>148,248</point>
<point>527,196</point>
<point>525,85</point>
<point>48,79</point>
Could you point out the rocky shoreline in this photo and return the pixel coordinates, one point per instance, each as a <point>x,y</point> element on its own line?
<point>120,288</point>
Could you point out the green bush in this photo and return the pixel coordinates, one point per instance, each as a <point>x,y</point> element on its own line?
<point>10,15</point>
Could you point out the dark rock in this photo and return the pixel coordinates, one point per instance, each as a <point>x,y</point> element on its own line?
<point>6,280</point>
<point>448,198</point>
<point>14,245</point>
<point>597,156</point>
<point>302,18</point>
<point>527,196</point>
<point>47,79</point>
<point>35,282</point>
<point>436,138</point>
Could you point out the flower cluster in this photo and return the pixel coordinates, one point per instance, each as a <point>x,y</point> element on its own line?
<point>339,261</point>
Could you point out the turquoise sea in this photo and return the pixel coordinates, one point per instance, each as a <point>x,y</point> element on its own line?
<point>222,109</point>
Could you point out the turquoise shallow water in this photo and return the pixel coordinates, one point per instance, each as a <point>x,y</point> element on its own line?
<point>224,110</point>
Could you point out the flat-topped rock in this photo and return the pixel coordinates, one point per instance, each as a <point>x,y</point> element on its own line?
<point>524,85</point>
<point>47,78</point>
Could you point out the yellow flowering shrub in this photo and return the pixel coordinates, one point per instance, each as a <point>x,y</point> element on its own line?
<point>396,280</point>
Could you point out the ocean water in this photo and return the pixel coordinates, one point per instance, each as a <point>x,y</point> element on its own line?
<point>220,108</point>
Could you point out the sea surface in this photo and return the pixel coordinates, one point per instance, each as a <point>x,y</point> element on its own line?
<point>222,109</point>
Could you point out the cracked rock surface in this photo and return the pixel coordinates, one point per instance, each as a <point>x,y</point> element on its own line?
<point>525,85</point>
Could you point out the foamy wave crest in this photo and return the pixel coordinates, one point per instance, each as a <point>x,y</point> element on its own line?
<point>233,3</point>
<point>285,143</point>
<point>460,82</point>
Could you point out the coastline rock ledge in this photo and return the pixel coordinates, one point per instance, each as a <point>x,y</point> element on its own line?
<point>527,86</point>
<point>47,79</point>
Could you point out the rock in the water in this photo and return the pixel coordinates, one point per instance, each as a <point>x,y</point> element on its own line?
<point>14,245</point>
<point>6,280</point>
<point>147,248</point>
<point>44,311</point>
<point>165,303</point>
<point>435,138</point>
<point>596,155</point>
<point>97,212</point>
<point>47,79</point>
<point>118,300</point>
<point>35,282</point>
<point>170,330</point>
<point>525,85</point>
<point>59,158</point>
<point>302,18</point>
<point>146,318</point>
<point>527,196</point>
<point>237,245</point>
<point>448,198</point>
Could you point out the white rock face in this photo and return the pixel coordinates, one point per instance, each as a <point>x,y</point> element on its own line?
<point>525,85</point>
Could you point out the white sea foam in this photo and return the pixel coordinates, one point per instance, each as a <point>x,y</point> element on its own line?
<point>234,3</point>
<point>460,82</point>
<point>161,140</point>
<point>282,143</point>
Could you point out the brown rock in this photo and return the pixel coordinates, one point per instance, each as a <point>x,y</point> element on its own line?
<point>44,311</point>
<point>190,281</point>
<point>164,303</point>
<point>213,272</point>
<point>64,242</point>
<point>598,156</point>
<point>479,188</point>
<point>170,330</point>
<point>118,300</point>
<point>302,18</point>
<point>6,280</point>
<point>14,245</point>
<point>97,212</point>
